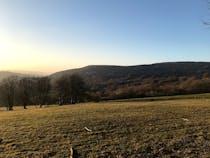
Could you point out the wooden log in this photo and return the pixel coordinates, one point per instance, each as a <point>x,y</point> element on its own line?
<point>71,154</point>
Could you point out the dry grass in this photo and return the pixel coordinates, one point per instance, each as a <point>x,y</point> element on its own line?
<point>178,128</point>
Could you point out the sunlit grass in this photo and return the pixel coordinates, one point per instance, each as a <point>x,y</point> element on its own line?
<point>127,129</point>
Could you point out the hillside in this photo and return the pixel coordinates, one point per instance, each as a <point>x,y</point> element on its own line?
<point>6,74</point>
<point>108,73</point>
<point>121,82</point>
<point>155,79</point>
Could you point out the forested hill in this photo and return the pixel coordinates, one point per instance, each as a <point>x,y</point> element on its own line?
<point>115,82</point>
<point>98,74</point>
<point>145,80</point>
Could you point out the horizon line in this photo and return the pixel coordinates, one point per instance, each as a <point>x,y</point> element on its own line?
<point>31,72</point>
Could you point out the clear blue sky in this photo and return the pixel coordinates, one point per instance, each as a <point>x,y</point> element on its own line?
<point>51,35</point>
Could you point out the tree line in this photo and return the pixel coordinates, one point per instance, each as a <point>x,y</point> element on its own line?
<point>72,89</point>
<point>25,91</point>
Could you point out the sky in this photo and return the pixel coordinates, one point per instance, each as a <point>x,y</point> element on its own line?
<point>52,35</point>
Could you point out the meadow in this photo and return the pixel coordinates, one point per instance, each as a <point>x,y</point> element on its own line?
<point>129,128</point>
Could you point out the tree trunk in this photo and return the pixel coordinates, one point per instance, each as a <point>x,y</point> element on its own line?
<point>9,108</point>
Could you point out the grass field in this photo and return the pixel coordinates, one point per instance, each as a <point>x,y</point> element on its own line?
<point>162,128</point>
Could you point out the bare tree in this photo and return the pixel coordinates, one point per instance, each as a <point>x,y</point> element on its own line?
<point>24,91</point>
<point>78,88</point>
<point>7,91</point>
<point>207,21</point>
<point>63,90</point>
<point>70,89</point>
<point>43,89</point>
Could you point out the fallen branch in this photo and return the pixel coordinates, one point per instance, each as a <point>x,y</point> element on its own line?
<point>71,153</point>
<point>87,129</point>
<point>184,119</point>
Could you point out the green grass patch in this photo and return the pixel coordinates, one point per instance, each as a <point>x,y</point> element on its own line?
<point>162,98</point>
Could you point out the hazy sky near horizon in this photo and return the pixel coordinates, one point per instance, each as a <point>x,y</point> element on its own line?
<point>52,35</point>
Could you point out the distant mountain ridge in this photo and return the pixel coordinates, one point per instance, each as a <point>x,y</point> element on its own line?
<point>171,78</point>
<point>159,70</point>
<point>95,74</point>
<point>7,74</point>
<point>115,82</point>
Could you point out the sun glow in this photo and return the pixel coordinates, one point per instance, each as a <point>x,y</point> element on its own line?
<point>17,54</point>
